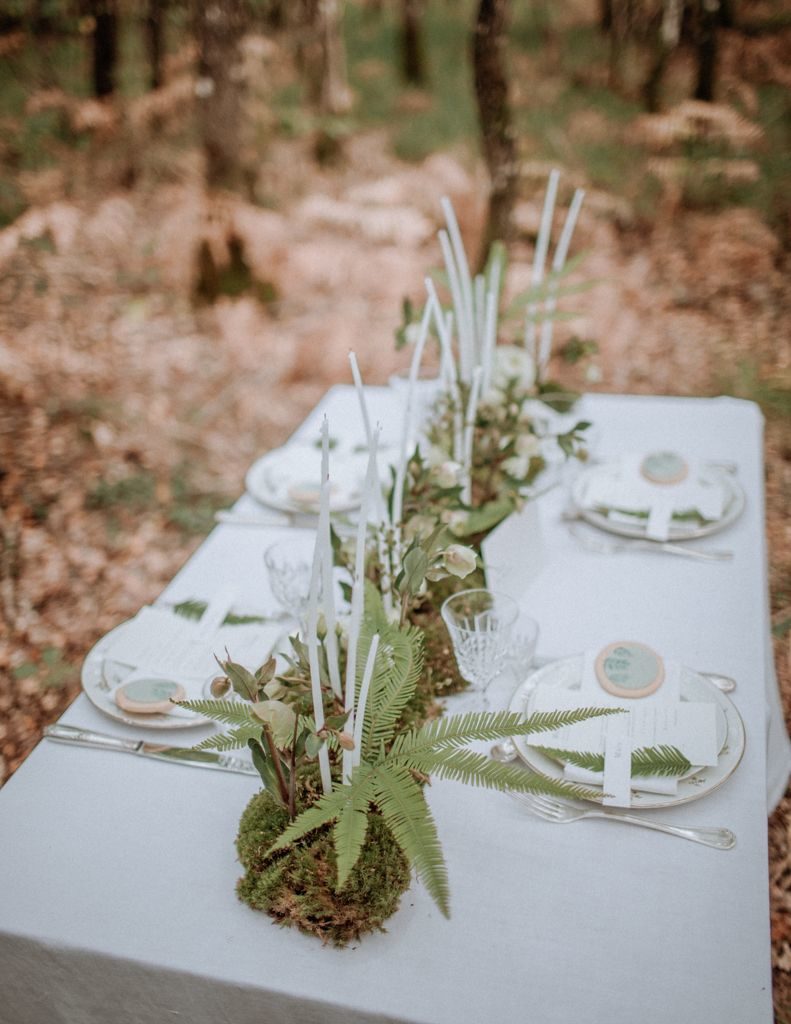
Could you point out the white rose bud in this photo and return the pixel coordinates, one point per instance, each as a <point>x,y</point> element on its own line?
<point>448,474</point>
<point>517,466</point>
<point>528,444</point>
<point>459,560</point>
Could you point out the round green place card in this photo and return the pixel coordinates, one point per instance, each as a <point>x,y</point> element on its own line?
<point>664,468</point>
<point>148,696</point>
<point>629,669</point>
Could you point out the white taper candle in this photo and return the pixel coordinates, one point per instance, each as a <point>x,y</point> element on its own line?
<point>365,685</point>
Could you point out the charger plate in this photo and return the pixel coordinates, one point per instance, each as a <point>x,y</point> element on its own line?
<point>566,674</point>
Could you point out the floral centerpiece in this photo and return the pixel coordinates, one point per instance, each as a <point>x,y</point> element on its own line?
<point>345,748</point>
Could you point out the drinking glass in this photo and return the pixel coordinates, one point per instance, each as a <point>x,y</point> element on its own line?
<point>480,623</point>
<point>289,562</point>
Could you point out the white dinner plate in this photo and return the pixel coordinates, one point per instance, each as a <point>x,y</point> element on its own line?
<point>733,501</point>
<point>289,478</point>
<point>566,674</point>
<point>101,675</point>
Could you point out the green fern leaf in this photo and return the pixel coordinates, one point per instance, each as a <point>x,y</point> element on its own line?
<point>546,721</point>
<point>230,740</point>
<point>406,812</point>
<point>230,711</point>
<point>458,730</point>
<point>325,810</point>
<point>475,769</point>
<point>581,759</point>
<point>664,760</point>
<point>399,664</point>
<point>350,828</point>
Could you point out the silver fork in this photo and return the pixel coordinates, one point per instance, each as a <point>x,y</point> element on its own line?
<point>560,813</point>
<point>605,546</point>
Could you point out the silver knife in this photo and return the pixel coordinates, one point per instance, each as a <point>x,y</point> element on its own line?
<point>160,752</point>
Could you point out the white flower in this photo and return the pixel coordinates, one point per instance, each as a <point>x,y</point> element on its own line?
<point>447,474</point>
<point>419,526</point>
<point>528,444</point>
<point>517,466</point>
<point>512,362</point>
<point>434,456</point>
<point>454,520</point>
<point>459,560</point>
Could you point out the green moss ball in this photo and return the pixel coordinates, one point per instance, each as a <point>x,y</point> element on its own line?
<point>297,886</point>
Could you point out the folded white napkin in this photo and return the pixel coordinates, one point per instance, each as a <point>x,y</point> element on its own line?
<point>159,642</point>
<point>661,718</point>
<point>624,492</point>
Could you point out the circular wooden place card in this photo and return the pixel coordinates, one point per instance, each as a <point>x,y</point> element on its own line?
<point>664,468</point>
<point>629,669</point>
<point>148,696</point>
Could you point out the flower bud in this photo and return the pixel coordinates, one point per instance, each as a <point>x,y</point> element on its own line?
<point>459,560</point>
<point>219,686</point>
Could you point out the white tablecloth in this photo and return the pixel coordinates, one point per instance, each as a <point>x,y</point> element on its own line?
<point>117,874</point>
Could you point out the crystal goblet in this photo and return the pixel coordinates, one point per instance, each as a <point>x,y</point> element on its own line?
<point>480,624</point>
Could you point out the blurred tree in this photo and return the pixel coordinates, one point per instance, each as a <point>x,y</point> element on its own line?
<point>494,114</point>
<point>105,45</point>
<point>708,17</point>
<point>219,26</point>
<point>154,31</point>
<point>413,64</point>
<point>321,55</point>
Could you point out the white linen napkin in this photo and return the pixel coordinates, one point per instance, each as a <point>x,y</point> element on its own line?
<point>624,492</point>
<point>660,718</point>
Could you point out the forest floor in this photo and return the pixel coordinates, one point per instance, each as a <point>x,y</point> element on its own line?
<point>129,413</point>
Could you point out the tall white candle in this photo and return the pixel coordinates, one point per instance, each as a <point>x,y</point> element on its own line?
<point>469,432</point>
<point>542,245</point>
<point>463,324</point>
<point>313,660</point>
<point>489,341</point>
<point>358,386</point>
<point>358,595</point>
<point>461,262</point>
<point>324,541</point>
<point>365,685</point>
<point>558,263</point>
<point>480,316</point>
<point>406,428</point>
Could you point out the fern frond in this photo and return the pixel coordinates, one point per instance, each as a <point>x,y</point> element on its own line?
<point>546,721</point>
<point>232,712</point>
<point>406,812</point>
<point>231,740</point>
<point>350,828</point>
<point>580,759</point>
<point>475,769</point>
<point>458,730</point>
<point>664,760</point>
<point>325,810</point>
<point>399,664</point>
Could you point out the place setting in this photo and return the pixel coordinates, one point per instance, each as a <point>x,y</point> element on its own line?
<point>656,501</point>
<point>674,736</point>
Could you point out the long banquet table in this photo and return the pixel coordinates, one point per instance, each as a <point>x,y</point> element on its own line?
<point>117,874</point>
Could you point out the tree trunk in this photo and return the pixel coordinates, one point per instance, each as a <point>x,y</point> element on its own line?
<point>105,46</point>
<point>218,30</point>
<point>154,29</point>
<point>494,114</point>
<point>321,55</point>
<point>605,15</point>
<point>412,61</point>
<point>708,18</point>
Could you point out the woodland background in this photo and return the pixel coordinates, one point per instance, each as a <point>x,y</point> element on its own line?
<point>203,206</point>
